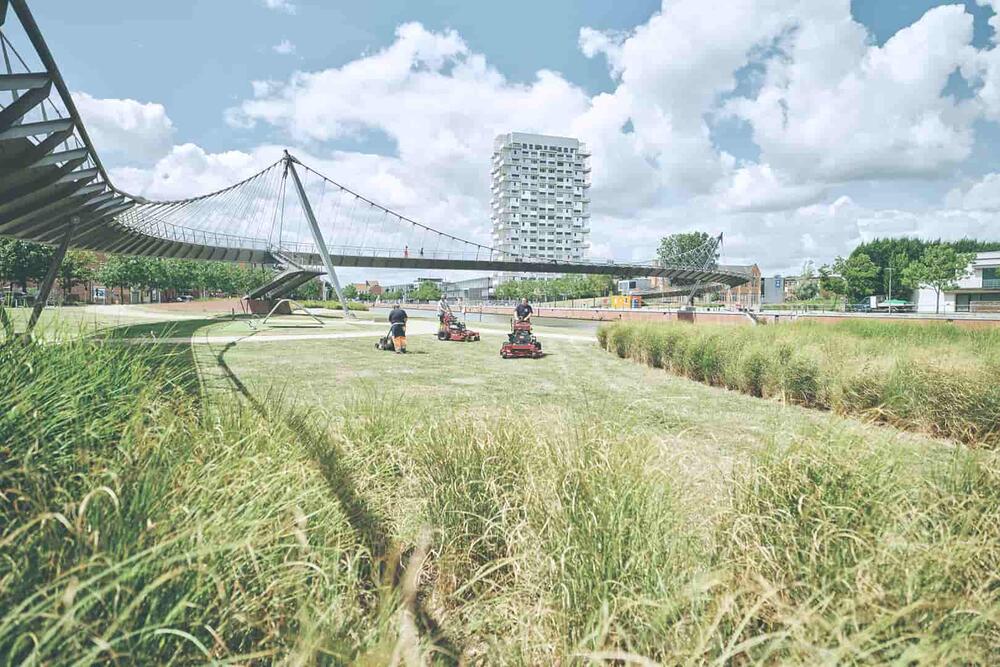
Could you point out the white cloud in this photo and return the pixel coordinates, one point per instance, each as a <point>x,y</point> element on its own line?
<point>130,130</point>
<point>672,71</point>
<point>982,195</point>
<point>758,187</point>
<point>835,107</point>
<point>440,102</point>
<point>187,170</point>
<point>609,43</point>
<point>280,5</point>
<point>284,47</point>
<point>828,106</point>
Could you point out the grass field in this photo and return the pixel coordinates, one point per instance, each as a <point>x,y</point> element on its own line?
<point>331,503</point>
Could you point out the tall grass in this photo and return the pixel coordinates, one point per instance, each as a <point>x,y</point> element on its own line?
<point>574,540</point>
<point>936,379</point>
<point>139,527</point>
<point>136,529</point>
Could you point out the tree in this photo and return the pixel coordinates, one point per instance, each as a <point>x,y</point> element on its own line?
<point>22,262</point>
<point>426,291</point>
<point>688,249</point>
<point>807,287</point>
<point>860,275</point>
<point>899,252</point>
<point>114,273</point>
<point>77,267</point>
<point>939,268</point>
<point>349,291</point>
<point>392,295</point>
<point>311,289</point>
<point>830,282</point>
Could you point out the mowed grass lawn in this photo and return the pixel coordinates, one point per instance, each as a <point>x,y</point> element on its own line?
<point>320,501</point>
<point>575,383</point>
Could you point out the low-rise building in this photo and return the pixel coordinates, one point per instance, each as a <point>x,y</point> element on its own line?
<point>406,288</point>
<point>369,287</point>
<point>471,289</point>
<point>978,291</point>
<point>774,290</point>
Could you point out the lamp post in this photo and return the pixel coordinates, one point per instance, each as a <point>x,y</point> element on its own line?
<point>890,290</point>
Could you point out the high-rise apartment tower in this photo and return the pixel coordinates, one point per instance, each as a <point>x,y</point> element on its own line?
<point>540,196</point>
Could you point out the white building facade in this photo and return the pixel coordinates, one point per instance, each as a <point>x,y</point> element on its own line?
<point>978,291</point>
<point>540,196</point>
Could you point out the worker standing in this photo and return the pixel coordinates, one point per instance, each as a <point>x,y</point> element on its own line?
<point>443,307</point>
<point>397,320</point>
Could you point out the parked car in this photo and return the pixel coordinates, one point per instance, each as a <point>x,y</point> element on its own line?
<point>184,298</point>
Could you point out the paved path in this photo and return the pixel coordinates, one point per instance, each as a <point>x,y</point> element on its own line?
<point>416,327</point>
<point>139,312</point>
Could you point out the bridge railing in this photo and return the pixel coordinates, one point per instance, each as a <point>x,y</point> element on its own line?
<point>159,228</point>
<point>171,232</point>
<point>474,253</point>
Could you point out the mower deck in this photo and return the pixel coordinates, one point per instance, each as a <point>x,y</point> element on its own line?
<point>521,343</point>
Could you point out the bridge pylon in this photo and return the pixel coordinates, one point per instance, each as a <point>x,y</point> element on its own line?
<point>317,235</point>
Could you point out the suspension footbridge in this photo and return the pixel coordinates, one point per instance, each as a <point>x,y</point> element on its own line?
<point>55,190</point>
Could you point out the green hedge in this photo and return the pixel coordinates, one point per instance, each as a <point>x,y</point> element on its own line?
<point>335,305</point>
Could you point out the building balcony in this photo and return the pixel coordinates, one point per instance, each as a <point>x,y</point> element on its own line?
<point>991,283</point>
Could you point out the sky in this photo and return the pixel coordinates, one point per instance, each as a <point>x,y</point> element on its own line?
<point>797,128</point>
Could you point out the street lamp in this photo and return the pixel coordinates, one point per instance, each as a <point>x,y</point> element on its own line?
<point>890,290</point>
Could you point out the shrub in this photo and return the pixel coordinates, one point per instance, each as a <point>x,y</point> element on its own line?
<point>941,380</point>
<point>335,305</point>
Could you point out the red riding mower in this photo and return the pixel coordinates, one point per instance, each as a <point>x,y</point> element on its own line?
<point>521,342</point>
<point>453,329</point>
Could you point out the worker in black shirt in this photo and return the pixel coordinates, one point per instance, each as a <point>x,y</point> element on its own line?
<point>397,318</point>
<point>523,311</point>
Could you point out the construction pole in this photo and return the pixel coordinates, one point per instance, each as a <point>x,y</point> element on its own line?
<point>317,236</point>
<point>50,275</point>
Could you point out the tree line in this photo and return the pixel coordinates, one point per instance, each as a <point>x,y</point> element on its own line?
<point>889,266</point>
<point>896,266</point>
<point>564,287</point>
<point>22,263</point>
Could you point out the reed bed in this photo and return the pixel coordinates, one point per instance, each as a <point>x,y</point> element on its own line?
<point>936,379</point>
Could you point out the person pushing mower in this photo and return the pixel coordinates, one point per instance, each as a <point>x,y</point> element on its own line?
<point>444,308</point>
<point>397,329</point>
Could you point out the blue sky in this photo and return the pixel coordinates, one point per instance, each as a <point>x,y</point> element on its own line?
<point>198,58</point>
<point>889,128</point>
